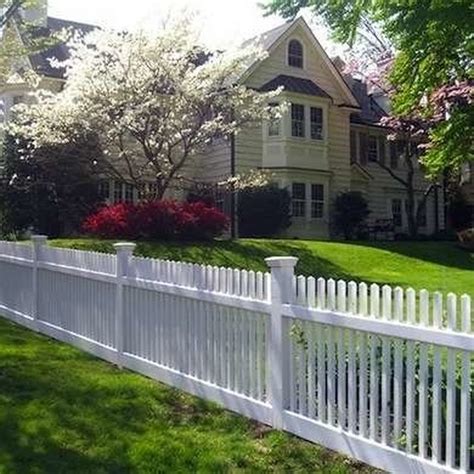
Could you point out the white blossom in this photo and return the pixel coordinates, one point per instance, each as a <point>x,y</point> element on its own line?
<point>155,101</point>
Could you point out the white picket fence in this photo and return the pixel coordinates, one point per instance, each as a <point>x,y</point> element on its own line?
<point>383,375</point>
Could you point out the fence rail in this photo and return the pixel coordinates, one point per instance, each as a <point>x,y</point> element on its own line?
<point>381,374</point>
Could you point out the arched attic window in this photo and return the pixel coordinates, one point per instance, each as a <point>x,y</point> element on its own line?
<point>295,54</point>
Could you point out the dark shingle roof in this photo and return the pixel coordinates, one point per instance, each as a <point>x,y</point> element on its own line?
<point>266,39</point>
<point>295,84</point>
<point>60,51</point>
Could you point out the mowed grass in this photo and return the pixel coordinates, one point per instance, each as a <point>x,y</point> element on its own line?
<point>436,266</point>
<point>63,411</point>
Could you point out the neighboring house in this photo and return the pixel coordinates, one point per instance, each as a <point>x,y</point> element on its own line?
<point>327,143</point>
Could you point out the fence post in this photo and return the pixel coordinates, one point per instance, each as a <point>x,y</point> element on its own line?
<point>38,241</point>
<point>124,254</point>
<point>282,291</point>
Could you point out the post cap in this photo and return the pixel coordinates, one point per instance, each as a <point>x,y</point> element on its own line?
<point>125,247</point>
<point>39,239</point>
<point>281,262</point>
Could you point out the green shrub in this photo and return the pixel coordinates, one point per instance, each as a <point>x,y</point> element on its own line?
<point>459,212</point>
<point>351,211</point>
<point>263,212</point>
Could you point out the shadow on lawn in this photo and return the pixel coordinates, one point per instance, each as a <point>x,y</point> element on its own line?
<point>246,254</point>
<point>441,253</point>
<point>62,411</point>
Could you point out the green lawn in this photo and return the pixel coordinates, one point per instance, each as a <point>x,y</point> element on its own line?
<point>63,411</point>
<point>431,265</point>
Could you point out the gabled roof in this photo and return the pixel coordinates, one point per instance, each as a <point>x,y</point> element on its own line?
<point>295,84</point>
<point>266,39</point>
<point>270,39</point>
<point>60,51</point>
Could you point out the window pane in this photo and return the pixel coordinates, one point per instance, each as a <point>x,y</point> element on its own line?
<point>373,150</point>
<point>297,120</point>
<point>274,125</point>
<point>422,221</point>
<point>317,201</point>
<point>128,193</point>
<point>299,191</point>
<point>118,191</point>
<point>298,208</point>
<point>317,192</point>
<point>295,54</point>
<point>317,210</point>
<point>104,190</point>
<point>298,199</point>
<point>397,212</point>
<point>316,123</point>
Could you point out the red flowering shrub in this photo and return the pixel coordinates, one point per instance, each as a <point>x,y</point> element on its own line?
<point>199,221</point>
<point>109,221</point>
<point>157,220</point>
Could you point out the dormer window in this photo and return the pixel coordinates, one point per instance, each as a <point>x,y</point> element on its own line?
<point>295,54</point>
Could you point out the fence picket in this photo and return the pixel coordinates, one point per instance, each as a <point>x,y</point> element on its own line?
<point>341,359</point>
<point>374,369</point>
<point>423,380</point>
<point>451,388</point>
<point>398,371</point>
<point>352,361</point>
<point>466,415</point>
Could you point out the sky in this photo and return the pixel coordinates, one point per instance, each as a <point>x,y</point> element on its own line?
<point>222,23</point>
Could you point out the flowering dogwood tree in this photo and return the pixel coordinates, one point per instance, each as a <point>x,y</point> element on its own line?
<point>155,101</point>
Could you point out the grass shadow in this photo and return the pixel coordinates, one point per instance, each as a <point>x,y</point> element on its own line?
<point>64,411</point>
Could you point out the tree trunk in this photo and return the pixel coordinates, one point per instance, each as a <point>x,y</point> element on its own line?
<point>411,213</point>
<point>411,205</point>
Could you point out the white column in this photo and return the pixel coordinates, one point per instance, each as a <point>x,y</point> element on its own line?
<point>124,255</point>
<point>38,241</point>
<point>282,291</point>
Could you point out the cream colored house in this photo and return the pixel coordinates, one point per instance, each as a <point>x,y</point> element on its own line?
<point>326,144</point>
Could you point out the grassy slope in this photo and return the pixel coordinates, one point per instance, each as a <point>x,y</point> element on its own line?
<point>431,265</point>
<point>62,411</point>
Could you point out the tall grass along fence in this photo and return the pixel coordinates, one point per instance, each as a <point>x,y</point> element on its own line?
<point>381,374</point>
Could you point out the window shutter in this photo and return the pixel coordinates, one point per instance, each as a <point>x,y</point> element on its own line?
<point>363,148</point>
<point>382,150</point>
<point>353,147</point>
<point>393,155</point>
